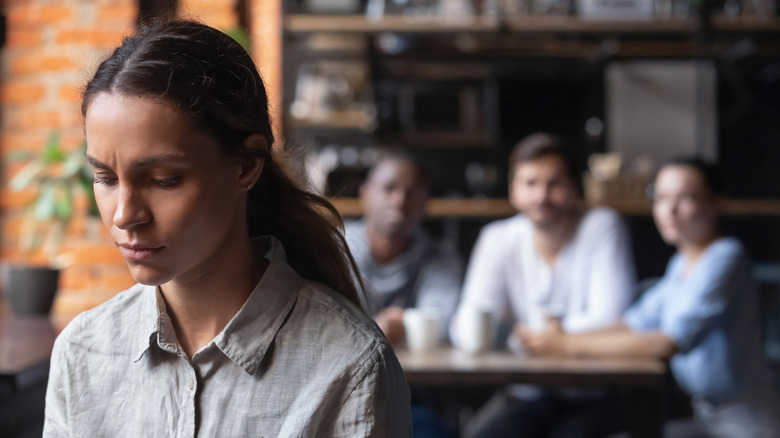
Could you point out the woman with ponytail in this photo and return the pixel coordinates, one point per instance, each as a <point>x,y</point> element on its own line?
<point>245,320</point>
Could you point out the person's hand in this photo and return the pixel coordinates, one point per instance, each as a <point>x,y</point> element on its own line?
<point>542,343</point>
<point>548,342</point>
<point>391,321</point>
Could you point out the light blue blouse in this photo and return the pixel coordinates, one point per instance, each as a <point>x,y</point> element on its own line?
<point>711,314</point>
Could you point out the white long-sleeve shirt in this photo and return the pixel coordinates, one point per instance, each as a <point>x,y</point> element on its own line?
<point>589,286</point>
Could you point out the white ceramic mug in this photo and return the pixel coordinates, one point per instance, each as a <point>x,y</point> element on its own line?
<point>477,329</point>
<point>536,319</point>
<point>423,328</point>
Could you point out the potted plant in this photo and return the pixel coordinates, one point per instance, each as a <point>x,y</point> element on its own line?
<point>57,175</point>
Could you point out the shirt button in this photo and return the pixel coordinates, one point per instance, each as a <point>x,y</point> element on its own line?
<point>192,383</point>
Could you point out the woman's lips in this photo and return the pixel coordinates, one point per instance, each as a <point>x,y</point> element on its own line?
<point>138,252</point>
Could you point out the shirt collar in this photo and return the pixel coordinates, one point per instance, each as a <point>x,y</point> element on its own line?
<point>246,338</point>
<point>149,323</point>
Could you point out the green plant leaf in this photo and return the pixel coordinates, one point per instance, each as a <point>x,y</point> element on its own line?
<point>74,162</point>
<point>43,208</point>
<point>241,36</point>
<point>63,205</point>
<point>52,153</point>
<point>56,174</point>
<point>26,175</point>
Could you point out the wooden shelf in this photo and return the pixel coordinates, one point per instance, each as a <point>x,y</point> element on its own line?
<point>746,25</point>
<point>566,24</point>
<point>390,23</point>
<point>497,208</point>
<point>358,23</point>
<point>338,120</point>
<point>751,207</point>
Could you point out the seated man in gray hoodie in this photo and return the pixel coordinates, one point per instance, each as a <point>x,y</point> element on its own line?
<point>401,264</point>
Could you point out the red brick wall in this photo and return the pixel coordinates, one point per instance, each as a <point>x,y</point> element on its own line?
<point>217,13</point>
<point>52,48</point>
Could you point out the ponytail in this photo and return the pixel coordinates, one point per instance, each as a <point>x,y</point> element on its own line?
<point>315,245</point>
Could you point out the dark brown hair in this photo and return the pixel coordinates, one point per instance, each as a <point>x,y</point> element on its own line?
<point>209,77</point>
<point>542,144</point>
<point>423,173</point>
<point>708,171</point>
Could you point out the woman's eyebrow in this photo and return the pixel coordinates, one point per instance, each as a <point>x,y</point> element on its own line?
<point>146,162</point>
<point>157,159</point>
<point>94,162</point>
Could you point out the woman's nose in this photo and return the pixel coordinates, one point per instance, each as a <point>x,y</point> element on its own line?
<point>130,211</point>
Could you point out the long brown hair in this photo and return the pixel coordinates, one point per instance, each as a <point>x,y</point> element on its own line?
<point>211,78</point>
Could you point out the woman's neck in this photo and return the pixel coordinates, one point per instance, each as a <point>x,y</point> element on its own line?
<point>693,250</point>
<point>200,307</point>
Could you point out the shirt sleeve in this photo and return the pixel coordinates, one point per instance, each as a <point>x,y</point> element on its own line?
<point>611,282</point>
<point>706,295</point>
<point>645,314</point>
<point>485,286</point>
<point>379,405</point>
<point>439,288</point>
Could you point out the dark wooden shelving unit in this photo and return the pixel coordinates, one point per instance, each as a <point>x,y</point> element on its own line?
<point>492,208</point>
<point>484,41</point>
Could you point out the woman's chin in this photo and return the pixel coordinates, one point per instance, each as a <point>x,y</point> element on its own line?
<point>671,239</point>
<point>149,277</point>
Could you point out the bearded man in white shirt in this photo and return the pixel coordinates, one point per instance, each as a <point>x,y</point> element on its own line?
<point>555,266</point>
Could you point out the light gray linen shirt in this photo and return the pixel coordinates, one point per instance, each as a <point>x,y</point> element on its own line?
<point>297,360</point>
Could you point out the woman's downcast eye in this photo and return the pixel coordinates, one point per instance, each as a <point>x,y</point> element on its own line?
<point>167,182</point>
<point>104,180</point>
<point>160,182</point>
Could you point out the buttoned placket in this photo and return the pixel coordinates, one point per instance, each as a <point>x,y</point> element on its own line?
<point>188,392</point>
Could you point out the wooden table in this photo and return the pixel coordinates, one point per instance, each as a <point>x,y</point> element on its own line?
<point>645,379</point>
<point>25,349</point>
<point>452,367</point>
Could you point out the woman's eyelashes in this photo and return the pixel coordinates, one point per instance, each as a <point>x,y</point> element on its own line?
<point>110,180</point>
<point>167,182</point>
<point>104,180</point>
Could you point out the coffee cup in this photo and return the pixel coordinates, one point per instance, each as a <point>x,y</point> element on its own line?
<point>539,319</point>
<point>536,319</point>
<point>423,328</point>
<point>477,329</point>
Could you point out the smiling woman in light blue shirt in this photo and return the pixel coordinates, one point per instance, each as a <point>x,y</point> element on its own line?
<point>702,315</point>
<point>711,315</point>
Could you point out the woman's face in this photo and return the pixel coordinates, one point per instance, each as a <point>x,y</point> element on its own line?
<point>170,198</point>
<point>684,209</point>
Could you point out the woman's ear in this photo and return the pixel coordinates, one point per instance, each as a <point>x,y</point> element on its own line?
<point>252,160</point>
